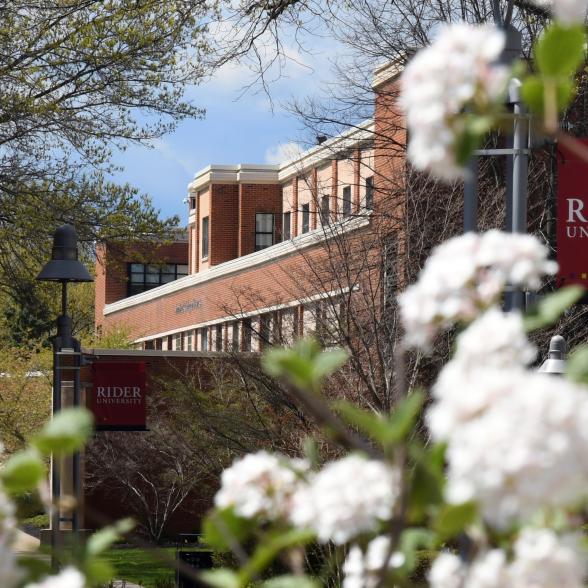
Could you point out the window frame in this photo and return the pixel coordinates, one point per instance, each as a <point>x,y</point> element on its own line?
<point>346,209</point>
<point>271,233</point>
<point>286,226</point>
<point>326,209</point>
<point>204,240</point>
<point>137,287</point>
<point>305,224</point>
<point>369,193</point>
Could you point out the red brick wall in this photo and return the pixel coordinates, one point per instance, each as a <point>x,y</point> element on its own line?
<point>257,198</point>
<point>224,223</point>
<point>111,268</point>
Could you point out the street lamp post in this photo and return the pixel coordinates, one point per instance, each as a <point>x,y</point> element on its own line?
<point>64,267</point>
<point>555,364</point>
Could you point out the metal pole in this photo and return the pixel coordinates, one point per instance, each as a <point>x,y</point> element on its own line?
<point>76,474</point>
<point>55,465</point>
<point>470,194</point>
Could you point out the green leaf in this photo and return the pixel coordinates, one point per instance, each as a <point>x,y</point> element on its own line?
<point>98,571</point>
<point>453,518</point>
<point>221,578</point>
<point>559,52</point>
<point>221,527</point>
<point>273,544</point>
<point>533,93</point>
<point>427,479</point>
<point>412,540</point>
<point>23,471</point>
<point>103,539</point>
<point>66,432</point>
<point>304,365</point>
<point>291,581</point>
<point>386,430</point>
<point>577,365</point>
<point>548,311</point>
<point>471,137</point>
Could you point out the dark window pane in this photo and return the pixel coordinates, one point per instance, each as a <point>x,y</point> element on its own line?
<point>204,339</point>
<point>263,240</point>
<point>286,226</point>
<point>137,278</point>
<point>264,222</point>
<point>305,217</point>
<point>166,278</point>
<point>369,193</point>
<point>247,334</point>
<point>137,267</point>
<point>347,201</point>
<point>182,269</point>
<point>205,237</point>
<point>325,210</point>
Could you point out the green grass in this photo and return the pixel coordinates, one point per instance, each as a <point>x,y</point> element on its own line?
<point>40,521</point>
<point>141,566</point>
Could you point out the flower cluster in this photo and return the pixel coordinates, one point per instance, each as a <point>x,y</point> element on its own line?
<point>466,275</point>
<point>568,12</point>
<point>517,441</point>
<point>9,571</point>
<point>363,570</point>
<point>541,560</point>
<point>347,497</point>
<point>459,69</point>
<point>261,484</point>
<point>67,578</point>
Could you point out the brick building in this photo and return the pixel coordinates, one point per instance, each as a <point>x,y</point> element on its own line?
<point>256,235</point>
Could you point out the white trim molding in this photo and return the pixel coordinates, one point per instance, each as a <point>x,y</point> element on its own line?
<point>242,263</point>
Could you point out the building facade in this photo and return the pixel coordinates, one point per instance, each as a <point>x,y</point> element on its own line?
<point>249,272</point>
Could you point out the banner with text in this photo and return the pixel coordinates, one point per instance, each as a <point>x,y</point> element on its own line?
<point>118,396</point>
<point>572,218</point>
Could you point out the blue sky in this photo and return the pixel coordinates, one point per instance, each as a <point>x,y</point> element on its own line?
<point>236,129</point>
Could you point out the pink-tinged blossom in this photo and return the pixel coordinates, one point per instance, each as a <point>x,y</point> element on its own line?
<point>465,276</point>
<point>363,570</point>
<point>261,484</point>
<point>347,497</point>
<point>459,69</point>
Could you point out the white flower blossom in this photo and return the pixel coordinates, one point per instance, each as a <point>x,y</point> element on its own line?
<point>67,578</point>
<point>544,560</point>
<point>447,571</point>
<point>458,69</point>
<point>9,571</point>
<point>568,12</point>
<point>519,442</point>
<point>261,484</point>
<point>541,560</point>
<point>347,497</point>
<point>362,570</point>
<point>466,275</point>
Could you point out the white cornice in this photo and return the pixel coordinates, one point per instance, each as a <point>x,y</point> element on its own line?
<point>386,72</point>
<point>246,173</point>
<point>241,263</point>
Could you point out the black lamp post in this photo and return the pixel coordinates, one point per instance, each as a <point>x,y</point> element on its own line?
<point>64,267</point>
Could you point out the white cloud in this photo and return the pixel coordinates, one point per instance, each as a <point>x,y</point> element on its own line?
<point>282,152</point>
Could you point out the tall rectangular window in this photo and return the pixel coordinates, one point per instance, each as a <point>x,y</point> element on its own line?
<point>286,226</point>
<point>205,237</point>
<point>218,344</point>
<point>369,193</point>
<point>265,329</point>
<point>325,210</point>
<point>235,337</point>
<point>204,339</point>
<point>305,218</point>
<point>177,345</point>
<point>347,201</point>
<point>264,230</point>
<point>188,341</point>
<point>247,334</point>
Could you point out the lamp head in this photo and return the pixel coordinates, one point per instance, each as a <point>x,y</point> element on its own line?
<point>555,363</point>
<point>64,265</point>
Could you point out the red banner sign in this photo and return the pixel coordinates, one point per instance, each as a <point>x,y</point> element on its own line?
<point>118,396</point>
<point>572,218</point>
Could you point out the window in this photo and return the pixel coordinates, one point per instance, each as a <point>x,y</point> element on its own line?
<point>264,230</point>
<point>188,341</point>
<point>247,334</point>
<point>235,337</point>
<point>218,339</point>
<point>204,339</point>
<point>325,210</point>
<point>347,201</point>
<point>286,227</point>
<point>305,217</point>
<point>192,203</point>
<point>265,329</point>
<point>144,276</point>
<point>159,344</point>
<point>177,345</point>
<point>148,345</point>
<point>205,237</point>
<point>369,193</point>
